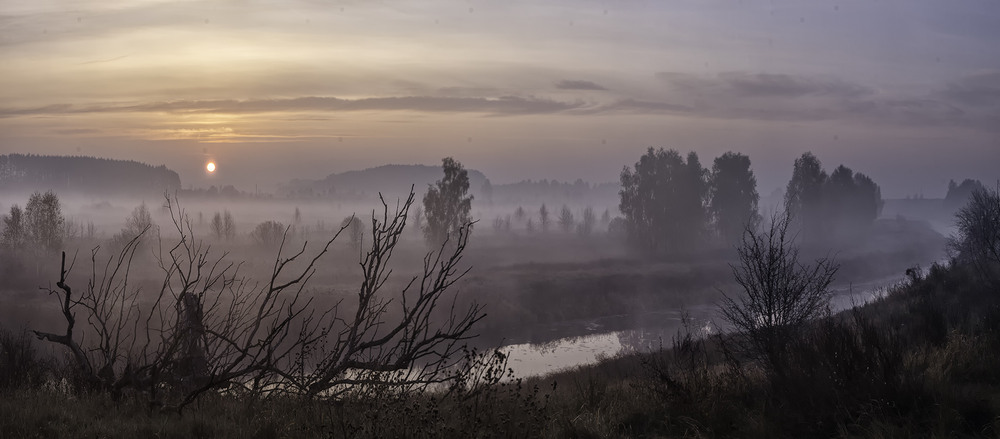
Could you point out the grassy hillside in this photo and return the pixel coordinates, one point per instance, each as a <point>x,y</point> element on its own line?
<point>919,362</point>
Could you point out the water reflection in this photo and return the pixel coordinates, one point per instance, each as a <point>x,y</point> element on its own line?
<point>605,337</point>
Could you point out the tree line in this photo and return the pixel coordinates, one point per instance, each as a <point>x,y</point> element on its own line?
<point>672,203</point>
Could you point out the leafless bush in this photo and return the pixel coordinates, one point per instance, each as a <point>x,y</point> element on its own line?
<point>137,223</point>
<point>269,233</point>
<point>780,294</point>
<point>977,239</point>
<point>210,328</point>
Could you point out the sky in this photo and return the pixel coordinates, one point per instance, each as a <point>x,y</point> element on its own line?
<point>906,91</point>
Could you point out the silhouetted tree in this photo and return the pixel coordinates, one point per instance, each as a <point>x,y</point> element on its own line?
<point>543,218</point>
<point>15,234</point>
<point>958,194</point>
<point>851,202</point>
<point>867,199</point>
<point>228,225</point>
<point>566,220</point>
<point>137,223</point>
<point>977,234</point>
<point>663,201</point>
<point>446,204</point>
<point>606,217</point>
<point>519,214</point>
<point>268,233</point>
<point>530,226</point>
<point>267,336</point>
<point>780,293</point>
<point>217,227</point>
<point>838,201</point>
<point>804,195</point>
<point>44,220</point>
<point>587,221</point>
<point>734,196</point>
<point>498,224</point>
<point>845,204</point>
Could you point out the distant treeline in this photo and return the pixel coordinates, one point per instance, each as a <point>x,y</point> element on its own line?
<point>68,174</point>
<point>529,191</point>
<point>395,180</point>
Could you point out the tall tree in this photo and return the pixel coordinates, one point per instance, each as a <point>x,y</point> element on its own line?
<point>587,221</point>
<point>804,195</point>
<point>136,227</point>
<point>14,233</point>
<point>958,194</point>
<point>663,201</point>
<point>838,195</point>
<point>852,201</point>
<point>868,198</point>
<point>446,204</point>
<point>566,220</point>
<point>734,196</point>
<point>45,220</point>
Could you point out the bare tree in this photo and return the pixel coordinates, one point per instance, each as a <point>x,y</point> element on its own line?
<point>780,294</point>
<point>543,218</point>
<point>566,220</point>
<point>407,349</point>
<point>228,225</point>
<point>217,227</point>
<point>586,226</point>
<point>210,328</point>
<point>977,236</point>
<point>223,226</point>
<point>138,222</point>
<point>269,233</point>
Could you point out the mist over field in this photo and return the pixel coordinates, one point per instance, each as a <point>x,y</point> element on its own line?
<point>481,219</point>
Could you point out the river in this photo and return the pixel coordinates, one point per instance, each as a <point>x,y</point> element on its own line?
<point>595,341</point>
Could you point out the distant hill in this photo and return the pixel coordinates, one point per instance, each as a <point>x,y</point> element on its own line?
<point>78,174</point>
<point>391,180</point>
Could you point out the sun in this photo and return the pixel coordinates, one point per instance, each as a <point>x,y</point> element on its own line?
<point>210,167</point>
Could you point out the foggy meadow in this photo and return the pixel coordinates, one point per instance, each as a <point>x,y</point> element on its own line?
<point>519,219</point>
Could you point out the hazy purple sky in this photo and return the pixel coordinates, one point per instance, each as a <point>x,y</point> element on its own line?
<point>905,91</point>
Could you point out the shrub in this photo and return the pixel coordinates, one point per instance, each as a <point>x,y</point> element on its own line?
<point>780,294</point>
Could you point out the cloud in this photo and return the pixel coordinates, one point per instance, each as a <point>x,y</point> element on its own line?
<point>979,90</point>
<point>506,105</point>
<point>641,106</point>
<point>76,131</point>
<point>764,85</point>
<point>972,101</point>
<point>568,84</point>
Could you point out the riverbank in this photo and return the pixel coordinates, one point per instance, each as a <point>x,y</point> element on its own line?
<point>917,362</point>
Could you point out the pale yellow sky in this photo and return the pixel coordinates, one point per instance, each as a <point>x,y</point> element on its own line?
<point>906,91</point>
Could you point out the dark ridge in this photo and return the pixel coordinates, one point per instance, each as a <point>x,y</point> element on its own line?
<point>81,174</point>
